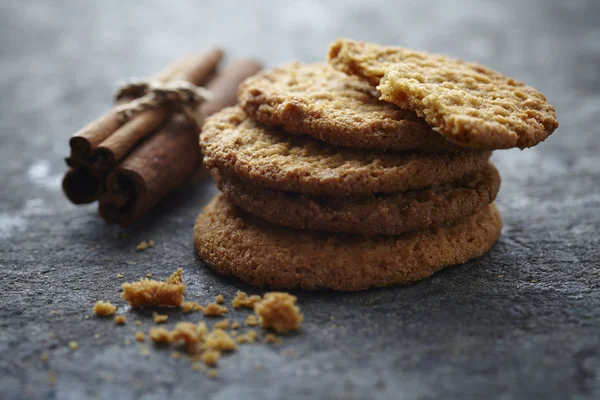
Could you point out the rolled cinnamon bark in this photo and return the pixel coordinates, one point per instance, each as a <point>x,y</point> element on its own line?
<point>152,170</point>
<point>124,139</point>
<point>100,145</point>
<point>81,186</point>
<point>90,136</point>
<point>168,158</point>
<point>194,70</point>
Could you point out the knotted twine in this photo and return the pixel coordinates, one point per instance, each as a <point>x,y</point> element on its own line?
<point>178,95</point>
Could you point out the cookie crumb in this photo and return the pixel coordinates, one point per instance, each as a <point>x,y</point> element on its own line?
<point>176,277</point>
<point>242,299</point>
<point>189,306</point>
<point>187,332</point>
<point>104,308</point>
<point>138,322</point>
<point>235,325</point>
<point>252,335</point>
<point>151,243</point>
<point>223,324</point>
<point>175,355</point>
<point>202,329</point>
<point>149,292</point>
<point>500,276</point>
<point>533,281</point>
<point>214,310</point>
<point>248,337</point>
<point>160,336</point>
<point>120,319</point>
<point>44,357</point>
<point>119,276</point>
<point>210,357</point>
<point>142,246</point>
<point>220,299</point>
<point>271,338</point>
<point>251,320</point>
<point>218,339</point>
<point>73,345</point>
<point>144,350</point>
<point>149,275</point>
<point>278,311</point>
<point>54,312</point>
<point>140,336</point>
<point>86,317</point>
<point>159,318</point>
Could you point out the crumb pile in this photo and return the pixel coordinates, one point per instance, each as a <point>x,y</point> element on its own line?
<point>104,308</point>
<point>153,293</point>
<point>369,170</point>
<point>279,311</point>
<point>276,312</point>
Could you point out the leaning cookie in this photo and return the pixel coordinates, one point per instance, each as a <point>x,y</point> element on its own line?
<point>386,213</point>
<point>271,158</point>
<point>234,242</point>
<point>317,100</point>
<point>467,103</point>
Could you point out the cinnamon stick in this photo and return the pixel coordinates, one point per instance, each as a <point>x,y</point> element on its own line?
<point>90,136</point>
<point>99,146</point>
<point>169,157</point>
<point>81,185</point>
<point>194,70</point>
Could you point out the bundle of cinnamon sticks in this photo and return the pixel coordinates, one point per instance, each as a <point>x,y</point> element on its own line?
<point>130,166</point>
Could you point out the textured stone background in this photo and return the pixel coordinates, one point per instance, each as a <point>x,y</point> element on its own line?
<point>521,322</point>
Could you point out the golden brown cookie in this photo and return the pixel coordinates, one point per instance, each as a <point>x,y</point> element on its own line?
<point>234,242</point>
<point>468,103</point>
<point>384,213</point>
<point>317,100</point>
<point>271,158</point>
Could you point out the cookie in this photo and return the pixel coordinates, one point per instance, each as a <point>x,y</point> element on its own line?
<point>271,158</point>
<point>317,100</point>
<point>466,102</point>
<point>385,213</point>
<point>234,242</point>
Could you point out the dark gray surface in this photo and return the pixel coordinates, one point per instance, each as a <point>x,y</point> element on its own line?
<point>521,322</point>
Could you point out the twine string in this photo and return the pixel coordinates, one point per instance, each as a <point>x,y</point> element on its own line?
<point>179,95</point>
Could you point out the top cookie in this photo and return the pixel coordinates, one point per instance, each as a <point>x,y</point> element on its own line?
<point>269,157</point>
<point>317,100</point>
<point>467,103</point>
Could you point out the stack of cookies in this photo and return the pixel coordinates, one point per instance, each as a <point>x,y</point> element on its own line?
<point>370,170</point>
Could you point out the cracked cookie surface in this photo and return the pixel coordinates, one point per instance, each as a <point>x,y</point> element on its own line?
<point>467,103</point>
<point>319,101</point>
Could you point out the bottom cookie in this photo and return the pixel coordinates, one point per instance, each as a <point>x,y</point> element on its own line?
<point>234,242</point>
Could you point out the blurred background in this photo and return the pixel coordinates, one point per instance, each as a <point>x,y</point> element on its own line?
<point>463,331</point>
